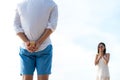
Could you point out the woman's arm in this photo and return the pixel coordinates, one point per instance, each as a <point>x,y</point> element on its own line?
<point>106,58</point>
<point>97,58</point>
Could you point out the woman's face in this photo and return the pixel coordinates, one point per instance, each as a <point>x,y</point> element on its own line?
<point>101,48</point>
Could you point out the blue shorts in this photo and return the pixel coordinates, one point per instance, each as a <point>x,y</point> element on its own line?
<point>41,61</point>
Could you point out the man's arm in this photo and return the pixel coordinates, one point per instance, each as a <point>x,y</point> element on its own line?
<point>52,23</point>
<point>23,37</point>
<point>44,36</point>
<point>20,32</point>
<point>18,28</point>
<point>53,18</point>
<point>29,46</point>
<point>17,23</point>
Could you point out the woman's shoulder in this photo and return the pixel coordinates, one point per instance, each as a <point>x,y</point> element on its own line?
<point>107,54</point>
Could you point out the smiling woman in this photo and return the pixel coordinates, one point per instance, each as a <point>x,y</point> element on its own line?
<point>101,61</point>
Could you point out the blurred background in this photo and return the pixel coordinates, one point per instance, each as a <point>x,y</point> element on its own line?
<point>82,24</point>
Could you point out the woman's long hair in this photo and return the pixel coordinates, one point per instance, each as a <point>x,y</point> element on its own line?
<point>104,52</point>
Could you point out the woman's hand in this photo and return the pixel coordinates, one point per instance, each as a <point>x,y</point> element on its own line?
<point>97,58</point>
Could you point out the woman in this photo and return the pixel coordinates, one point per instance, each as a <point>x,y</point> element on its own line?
<point>101,62</point>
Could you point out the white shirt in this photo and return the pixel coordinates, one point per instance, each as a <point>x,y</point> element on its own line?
<point>33,17</point>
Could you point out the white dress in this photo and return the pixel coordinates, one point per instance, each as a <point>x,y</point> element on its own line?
<point>102,70</point>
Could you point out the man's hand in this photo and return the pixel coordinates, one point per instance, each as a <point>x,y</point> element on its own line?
<point>30,45</point>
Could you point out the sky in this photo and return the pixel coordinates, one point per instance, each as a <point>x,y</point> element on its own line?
<point>82,24</point>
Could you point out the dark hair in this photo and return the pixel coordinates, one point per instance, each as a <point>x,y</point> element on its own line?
<point>104,52</point>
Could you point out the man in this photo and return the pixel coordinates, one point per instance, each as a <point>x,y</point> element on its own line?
<point>34,22</point>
